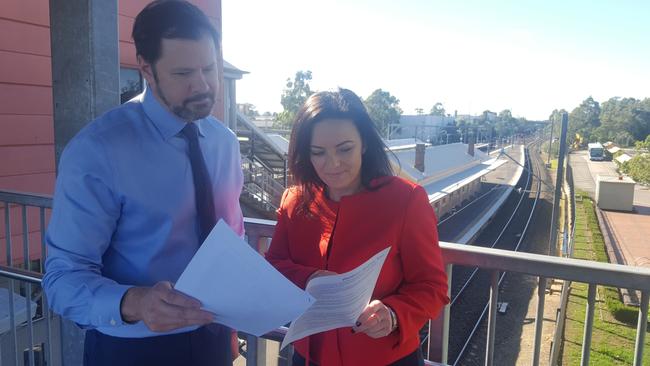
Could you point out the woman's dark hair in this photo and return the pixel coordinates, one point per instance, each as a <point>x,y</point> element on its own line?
<point>341,104</point>
<point>169,19</point>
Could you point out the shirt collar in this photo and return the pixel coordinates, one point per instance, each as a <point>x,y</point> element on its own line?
<point>167,123</point>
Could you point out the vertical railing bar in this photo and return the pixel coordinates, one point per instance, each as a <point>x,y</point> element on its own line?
<point>492,317</point>
<point>539,319</point>
<point>446,316</point>
<point>28,290</point>
<point>12,284</point>
<point>589,321</point>
<point>251,350</point>
<point>558,337</point>
<point>30,323</point>
<point>641,329</point>
<point>45,308</point>
<point>12,319</point>
<point>25,238</point>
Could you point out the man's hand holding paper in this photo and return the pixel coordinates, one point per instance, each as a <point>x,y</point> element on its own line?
<point>244,291</point>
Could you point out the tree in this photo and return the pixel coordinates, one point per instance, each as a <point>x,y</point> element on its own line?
<point>639,168</point>
<point>643,145</point>
<point>437,110</point>
<point>293,97</point>
<point>384,110</point>
<point>585,118</point>
<point>625,114</point>
<point>419,111</point>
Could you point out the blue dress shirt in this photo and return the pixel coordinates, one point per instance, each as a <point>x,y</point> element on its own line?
<point>124,210</point>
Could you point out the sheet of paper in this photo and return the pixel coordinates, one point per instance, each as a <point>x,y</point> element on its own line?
<point>236,283</point>
<point>340,299</point>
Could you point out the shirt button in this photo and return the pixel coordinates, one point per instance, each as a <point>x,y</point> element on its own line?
<point>113,322</point>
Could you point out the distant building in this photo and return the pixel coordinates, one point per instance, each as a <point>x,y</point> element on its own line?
<point>263,121</point>
<point>451,174</point>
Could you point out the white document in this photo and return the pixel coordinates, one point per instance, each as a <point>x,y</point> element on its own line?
<point>340,299</point>
<point>238,285</point>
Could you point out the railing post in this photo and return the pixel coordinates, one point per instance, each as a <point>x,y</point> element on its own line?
<point>45,308</point>
<point>251,350</point>
<point>492,318</point>
<point>438,338</point>
<point>559,325</point>
<point>446,316</point>
<point>589,321</point>
<point>641,329</point>
<point>539,319</point>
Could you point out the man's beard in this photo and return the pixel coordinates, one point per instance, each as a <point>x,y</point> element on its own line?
<point>186,111</point>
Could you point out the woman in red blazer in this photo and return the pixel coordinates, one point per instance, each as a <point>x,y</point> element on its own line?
<point>346,207</point>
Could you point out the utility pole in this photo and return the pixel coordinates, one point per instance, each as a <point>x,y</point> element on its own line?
<point>552,239</point>
<point>558,185</point>
<point>550,143</point>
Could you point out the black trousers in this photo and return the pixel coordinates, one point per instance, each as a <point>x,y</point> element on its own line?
<point>208,345</point>
<point>413,359</point>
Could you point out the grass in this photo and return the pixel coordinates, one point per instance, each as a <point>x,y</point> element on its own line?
<point>614,328</point>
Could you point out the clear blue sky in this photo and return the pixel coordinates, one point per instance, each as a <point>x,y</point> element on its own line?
<point>526,56</point>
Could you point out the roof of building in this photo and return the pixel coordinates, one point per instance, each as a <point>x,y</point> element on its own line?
<point>442,187</point>
<point>232,72</point>
<point>398,144</point>
<point>614,149</point>
<point>623,158</point>
<point>615,179</point>
<point>439,161</point>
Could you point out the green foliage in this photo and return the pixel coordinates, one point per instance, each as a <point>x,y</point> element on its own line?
<point>437,110</point>
<point>621,120</point>
<point>643,145</point>
<point>585,118</point>
<point>293,97</point>
<point>621,312</point>
<point>638,168</point>
<point>503,125</point>
<point>384,109</point>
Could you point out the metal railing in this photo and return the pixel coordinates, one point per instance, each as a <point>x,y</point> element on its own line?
<point>258,232</point>
<point>541,266</point>
<point>30,325</point>
<point>261,184</point>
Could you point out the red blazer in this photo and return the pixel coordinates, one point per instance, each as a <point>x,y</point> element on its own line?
<point>412,281</point>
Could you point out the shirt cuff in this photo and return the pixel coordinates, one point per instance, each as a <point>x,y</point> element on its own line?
<point>106,306</point>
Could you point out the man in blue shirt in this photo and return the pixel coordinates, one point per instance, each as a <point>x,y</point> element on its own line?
<point>128,203</point>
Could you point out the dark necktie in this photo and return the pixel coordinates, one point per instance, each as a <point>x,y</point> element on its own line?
<point>202,184</point>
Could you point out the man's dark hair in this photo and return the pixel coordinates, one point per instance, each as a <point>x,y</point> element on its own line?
<point>169,19</point>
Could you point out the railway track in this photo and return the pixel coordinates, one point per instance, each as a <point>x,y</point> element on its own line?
<point>470,286</point>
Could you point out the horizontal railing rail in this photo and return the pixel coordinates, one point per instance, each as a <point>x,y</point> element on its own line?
<point>577,270</point>
<point>28,199</point>
<point>21,275</point>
